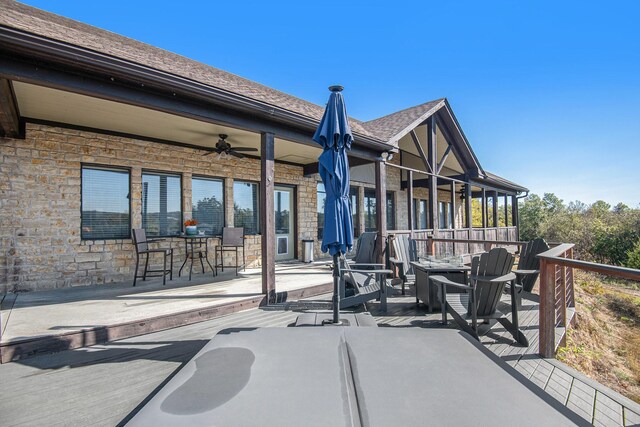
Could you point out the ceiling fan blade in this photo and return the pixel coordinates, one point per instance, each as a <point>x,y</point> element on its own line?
<point>211,151</point>
<point>245,149</point>
<point>233,153</point>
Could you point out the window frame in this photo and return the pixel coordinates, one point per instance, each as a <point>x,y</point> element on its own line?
<point>364,203</point>
<point>166,173</point>
<point>97,166</point>
<point>224,198</point>
<point>391,196</point>
<point>257,183</point>
<point>416,210</point>
<point>355,210</point>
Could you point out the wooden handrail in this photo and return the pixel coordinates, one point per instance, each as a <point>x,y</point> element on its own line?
<point>609,270</point>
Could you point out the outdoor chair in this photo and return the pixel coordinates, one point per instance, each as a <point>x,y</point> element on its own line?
<point>405,252</point>
<point>489,274</point>
<point>232,240</point>
<point>363,275</point>
<point>528,267</point>
<point>141,245</point>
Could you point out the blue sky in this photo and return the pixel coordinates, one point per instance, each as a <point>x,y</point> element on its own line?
<point>548,93</point>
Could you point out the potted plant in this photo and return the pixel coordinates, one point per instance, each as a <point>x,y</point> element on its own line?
<point>190,227</point>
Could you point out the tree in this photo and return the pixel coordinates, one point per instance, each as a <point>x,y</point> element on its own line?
<point>633,256</point>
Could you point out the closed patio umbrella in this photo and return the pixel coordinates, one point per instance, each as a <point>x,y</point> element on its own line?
<point>334,135</point>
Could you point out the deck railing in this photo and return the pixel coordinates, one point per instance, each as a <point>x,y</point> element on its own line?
<point>557,300</point>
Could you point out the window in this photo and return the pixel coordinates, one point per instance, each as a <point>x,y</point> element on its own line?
<point>353,197</point>
<point>369,209</point>
<point>207,204</point>
<point>391,211</point>
<point>245,206</point>
<point>420,214</point>
<point>322,199</point>
<point>445,215</point>
<point>106,207</point>
<point>161,204</point>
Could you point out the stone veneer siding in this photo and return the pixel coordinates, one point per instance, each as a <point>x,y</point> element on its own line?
<point>40,244</point>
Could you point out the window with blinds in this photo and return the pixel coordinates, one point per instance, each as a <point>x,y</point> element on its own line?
<point>445,215</point>
<point>419,214</point>
<point>353,197</point>
<point>161,204</point>
<point>207,201</point>
<point>391,211</point>
<point>321,198</point>
<point>106,207</point>
<point>245,206</point>
<point>369,209</point>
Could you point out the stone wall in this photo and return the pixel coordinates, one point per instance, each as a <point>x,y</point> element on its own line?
<point>41,247</point>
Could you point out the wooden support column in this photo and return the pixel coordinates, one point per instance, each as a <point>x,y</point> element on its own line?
<point>484,208</point>
<point>494,202</point>
<point>468,207</point>
<point>547,337</point>
<point>452,215</point>
<point>10,126</point>
<point>267,216</point>
<point>410,202</point>
<point>433,181</point>
<point>506,210</point>
<point>514,214</point>
<point>381,210</point>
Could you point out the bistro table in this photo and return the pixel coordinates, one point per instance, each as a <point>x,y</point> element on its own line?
<point>427,293</point>
<point>196,244</point>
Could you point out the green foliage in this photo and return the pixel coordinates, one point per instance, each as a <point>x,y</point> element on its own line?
<point>600,233</point>
<point>633,256</point>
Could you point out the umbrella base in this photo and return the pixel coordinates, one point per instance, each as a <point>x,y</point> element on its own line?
<point>326,319</point>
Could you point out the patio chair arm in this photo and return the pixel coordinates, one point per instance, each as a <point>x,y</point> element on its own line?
<point>396,261</point>
<point>154,240</point>
<point>525,272</point>
<point>365,264</point>
<point>441,280</point>
<point>509,277</point>
<point>381,271</point>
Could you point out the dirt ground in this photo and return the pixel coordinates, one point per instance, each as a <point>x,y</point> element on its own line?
<point>604,343</point>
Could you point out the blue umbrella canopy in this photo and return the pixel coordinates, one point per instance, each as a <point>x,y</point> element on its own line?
<point>334,135</point>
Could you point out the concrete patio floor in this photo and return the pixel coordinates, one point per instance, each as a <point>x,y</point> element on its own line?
<point>40,322</point>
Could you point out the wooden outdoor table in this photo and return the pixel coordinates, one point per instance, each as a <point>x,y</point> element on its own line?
<point>427,293</point>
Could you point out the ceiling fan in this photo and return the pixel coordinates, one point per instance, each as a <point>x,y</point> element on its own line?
<point>224,149</point>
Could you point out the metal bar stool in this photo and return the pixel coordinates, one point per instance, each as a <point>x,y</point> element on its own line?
<point>141,244</point>
<point>232,240</point>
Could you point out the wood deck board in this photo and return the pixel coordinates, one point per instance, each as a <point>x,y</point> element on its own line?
<point>631,418</point>
<point>607,412</point>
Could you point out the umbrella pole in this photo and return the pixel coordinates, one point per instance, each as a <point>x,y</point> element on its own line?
<point>336,291</point>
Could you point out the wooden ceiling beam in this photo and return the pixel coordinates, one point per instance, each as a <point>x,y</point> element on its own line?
<point>10,126</point>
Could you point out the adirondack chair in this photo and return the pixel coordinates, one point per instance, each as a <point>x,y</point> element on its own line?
<point>529,265</point>
<point>489,274</point>
<point>405,252</point>
<point>363,275</point>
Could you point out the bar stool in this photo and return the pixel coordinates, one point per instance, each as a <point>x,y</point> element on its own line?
<point>232,240</point>
<point>141,244</point>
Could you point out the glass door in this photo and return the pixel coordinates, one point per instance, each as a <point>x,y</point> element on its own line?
<point>283,205</point>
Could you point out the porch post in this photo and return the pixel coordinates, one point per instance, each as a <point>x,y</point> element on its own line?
<point>267,216</point>
<point>468,206</point>
<point>410,202</point>
<point>484,208</point>
<point>433,180</point>
<point>381,209</point>
<point>514,214</point>
<point>506,210</point>
<point>452,215</point>
<point>494,202</point>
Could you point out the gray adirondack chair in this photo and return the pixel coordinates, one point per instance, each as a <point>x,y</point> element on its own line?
<point>366,277</point>
<point>529,265</point>
<point>405,252</point>
<point>490,272</point>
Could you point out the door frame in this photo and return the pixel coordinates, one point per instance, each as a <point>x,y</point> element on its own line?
<point>294,203</point>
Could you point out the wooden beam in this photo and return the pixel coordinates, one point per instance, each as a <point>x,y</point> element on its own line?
<point>468,206</point>
<point>427,163</point>
<point>312,168</point>
<point>9,118</point>
<point>506,210</point>
<point>452,215</point>
<point>484,208</point>
<point>433,181</point>
<point>444,159</point>
<point>410,202</point>
<point>267,215</point>
<point>494,202</point>
<point>514,214</point>
<point>381,209</point>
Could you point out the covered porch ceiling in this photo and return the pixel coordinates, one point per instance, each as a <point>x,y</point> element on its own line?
<point>57,106</point>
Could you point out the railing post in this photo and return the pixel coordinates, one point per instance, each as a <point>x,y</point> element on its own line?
<point>431,245</point>
<point>563,293</point>
<point>571,299</point>
<point>547,345</point>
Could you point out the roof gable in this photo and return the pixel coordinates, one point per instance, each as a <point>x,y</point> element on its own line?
<point>394,126</point>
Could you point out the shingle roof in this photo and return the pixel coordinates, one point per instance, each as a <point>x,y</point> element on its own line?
<point>395,124</point>
<point>504,182</point>
<point>46,24</point>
